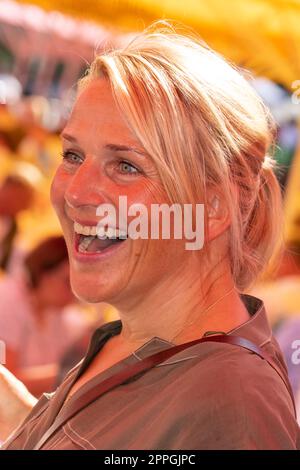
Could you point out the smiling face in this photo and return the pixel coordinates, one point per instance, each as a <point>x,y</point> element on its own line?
<point>102,160</point>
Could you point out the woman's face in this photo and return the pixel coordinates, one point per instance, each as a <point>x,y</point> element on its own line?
<point>102,161</point>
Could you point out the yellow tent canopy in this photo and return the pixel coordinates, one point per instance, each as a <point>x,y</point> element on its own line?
<point>262,35</point>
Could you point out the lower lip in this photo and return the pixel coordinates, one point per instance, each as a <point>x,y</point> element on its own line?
<point>88,257</point>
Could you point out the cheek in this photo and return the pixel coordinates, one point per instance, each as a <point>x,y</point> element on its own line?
<point>147,193</point>
<point>57,190</point>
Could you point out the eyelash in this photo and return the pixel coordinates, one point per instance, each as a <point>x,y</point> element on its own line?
<point>65,156</point>
<point>133,173</point>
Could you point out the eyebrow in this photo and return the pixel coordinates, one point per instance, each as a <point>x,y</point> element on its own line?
<point>114,147</point>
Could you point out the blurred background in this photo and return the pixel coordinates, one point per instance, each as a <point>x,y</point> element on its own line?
<point>45,47</point>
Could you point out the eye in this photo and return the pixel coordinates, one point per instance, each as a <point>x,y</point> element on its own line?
<point>71,157</point>
<point>127,168</point>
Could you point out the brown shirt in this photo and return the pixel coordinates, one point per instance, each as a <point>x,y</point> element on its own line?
<point>210,396</point>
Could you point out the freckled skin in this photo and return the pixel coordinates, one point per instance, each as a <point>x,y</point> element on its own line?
<point>138,265</point>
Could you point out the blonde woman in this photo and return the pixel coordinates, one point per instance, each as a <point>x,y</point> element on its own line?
<point>166,120</point>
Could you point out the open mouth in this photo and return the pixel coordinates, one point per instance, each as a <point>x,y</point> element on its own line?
<point>93,239</point>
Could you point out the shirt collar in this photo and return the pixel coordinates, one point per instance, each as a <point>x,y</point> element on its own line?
<point>257,329</point>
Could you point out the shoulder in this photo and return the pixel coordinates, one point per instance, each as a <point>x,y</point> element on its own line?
<point>234,375</point>
<point>237,398</point>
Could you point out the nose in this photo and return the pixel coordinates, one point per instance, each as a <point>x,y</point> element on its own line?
<point>86,187</point>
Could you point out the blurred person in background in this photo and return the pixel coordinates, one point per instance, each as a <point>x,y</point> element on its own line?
<point>17,193</point>
<point>35,323</point>
<point>15,196</point>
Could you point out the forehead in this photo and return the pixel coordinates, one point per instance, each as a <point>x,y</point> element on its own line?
<point>95,102</point>
<point>95,109</point>
<point>94,93</point>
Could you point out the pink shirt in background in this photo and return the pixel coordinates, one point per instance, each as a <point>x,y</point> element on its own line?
<point>20,331</point>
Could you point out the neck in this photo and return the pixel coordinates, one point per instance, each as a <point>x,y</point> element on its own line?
<point>182,308</point>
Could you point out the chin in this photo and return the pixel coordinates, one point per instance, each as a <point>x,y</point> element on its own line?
<point>91,292</point>
<point>86,294</point>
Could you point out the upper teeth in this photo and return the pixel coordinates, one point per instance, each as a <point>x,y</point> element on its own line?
<point>99,231</point>
<point>85,229</point>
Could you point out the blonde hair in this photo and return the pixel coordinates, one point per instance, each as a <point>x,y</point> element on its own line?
<point>204,126</point>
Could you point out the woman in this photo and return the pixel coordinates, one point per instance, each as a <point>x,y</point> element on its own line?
<point>165,120</point>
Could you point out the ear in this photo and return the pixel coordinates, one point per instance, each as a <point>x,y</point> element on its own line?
<point>218,219</point>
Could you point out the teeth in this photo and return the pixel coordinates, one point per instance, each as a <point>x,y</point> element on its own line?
<point>93,231</point>
<point>86,230</point>
<point>84,244</point>
<point>99,231</point>
<point>77,227</point>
